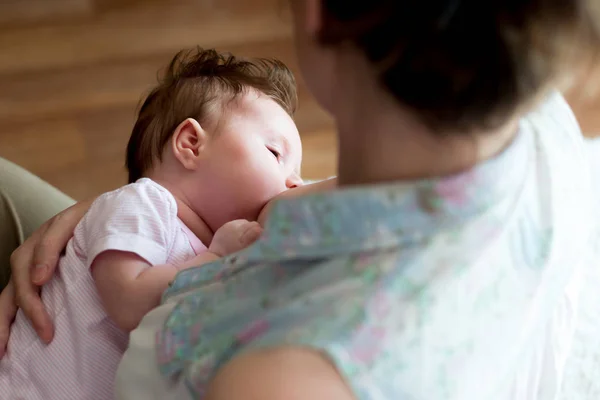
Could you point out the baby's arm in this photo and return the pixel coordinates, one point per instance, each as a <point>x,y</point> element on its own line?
<point>130,287</point>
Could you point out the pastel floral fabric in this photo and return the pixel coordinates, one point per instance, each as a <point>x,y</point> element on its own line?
<point>457,288</point>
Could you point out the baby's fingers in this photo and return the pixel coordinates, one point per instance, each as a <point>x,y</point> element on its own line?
<point>252,232</point>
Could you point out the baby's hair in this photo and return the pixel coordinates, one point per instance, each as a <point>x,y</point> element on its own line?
<point>468,65</point>
<point>194,82</point>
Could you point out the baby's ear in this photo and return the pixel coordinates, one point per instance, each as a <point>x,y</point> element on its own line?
<point>187,142</point>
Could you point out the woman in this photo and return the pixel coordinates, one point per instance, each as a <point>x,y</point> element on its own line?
<point>455,261</point>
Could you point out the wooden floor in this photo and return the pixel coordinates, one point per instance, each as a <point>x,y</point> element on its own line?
<point>72,73</point>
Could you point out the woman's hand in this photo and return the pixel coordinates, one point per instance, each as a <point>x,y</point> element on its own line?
<point>32,265</point>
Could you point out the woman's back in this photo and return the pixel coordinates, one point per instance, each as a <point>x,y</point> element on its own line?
<point>464,287</point>
<point>581,381</point>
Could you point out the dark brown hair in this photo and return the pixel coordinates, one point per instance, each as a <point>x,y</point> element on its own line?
<point>194,81</point>
<point>467,65</point>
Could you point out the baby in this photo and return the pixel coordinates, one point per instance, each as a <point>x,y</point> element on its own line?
<point>213,143</point>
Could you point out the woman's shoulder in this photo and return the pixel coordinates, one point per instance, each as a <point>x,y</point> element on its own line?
<point>555,119</point>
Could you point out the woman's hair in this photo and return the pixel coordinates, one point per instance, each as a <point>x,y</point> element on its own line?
<point>194,82</point>
<point>467,65</point>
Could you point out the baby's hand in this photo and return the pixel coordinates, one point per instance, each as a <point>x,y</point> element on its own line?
<point>234,236</point>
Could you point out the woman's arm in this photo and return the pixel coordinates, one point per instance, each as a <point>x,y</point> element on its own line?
<point>290,373</point>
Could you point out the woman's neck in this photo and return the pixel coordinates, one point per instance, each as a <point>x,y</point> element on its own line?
<point>383,143</point>
<point>376,153</point>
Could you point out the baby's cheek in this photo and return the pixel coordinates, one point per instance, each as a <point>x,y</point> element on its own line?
<point>266,186</point>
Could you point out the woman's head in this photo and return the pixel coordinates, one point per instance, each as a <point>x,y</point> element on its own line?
<point>458,65</point>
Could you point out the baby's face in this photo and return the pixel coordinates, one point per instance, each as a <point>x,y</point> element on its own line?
<point>253,155</point>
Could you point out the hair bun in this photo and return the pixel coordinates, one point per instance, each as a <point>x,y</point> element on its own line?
<point>466,64</point>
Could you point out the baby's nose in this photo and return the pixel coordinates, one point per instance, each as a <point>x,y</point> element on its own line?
<point>294,181</point>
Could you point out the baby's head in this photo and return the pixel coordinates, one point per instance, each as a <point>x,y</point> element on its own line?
<point>218,133</point>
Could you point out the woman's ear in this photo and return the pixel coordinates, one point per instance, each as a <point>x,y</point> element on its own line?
<point>313,16</point>
<point>307,16</point>
<point>188,142</point>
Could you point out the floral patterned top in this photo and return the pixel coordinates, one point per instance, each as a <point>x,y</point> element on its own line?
<point>465,287</point>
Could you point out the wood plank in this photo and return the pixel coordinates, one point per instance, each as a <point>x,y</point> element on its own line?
<point>121,84</point>
<point>236,6</point>
<point>132,32</point>
<point>19,12</point>
<point>102,84</point>
<point>112,5</point>
<point>43,94</point>
<point>45,147</point>
<point>90,180</point>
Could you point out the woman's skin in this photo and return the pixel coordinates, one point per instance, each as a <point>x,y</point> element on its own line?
<point>397,147</point>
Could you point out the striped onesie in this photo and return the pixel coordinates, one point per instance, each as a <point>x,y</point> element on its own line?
<point>81,361</point>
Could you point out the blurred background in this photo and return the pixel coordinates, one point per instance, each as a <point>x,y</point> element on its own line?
<point>72,73</point>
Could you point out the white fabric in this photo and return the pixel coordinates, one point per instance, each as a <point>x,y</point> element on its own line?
<point>81,361</point>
